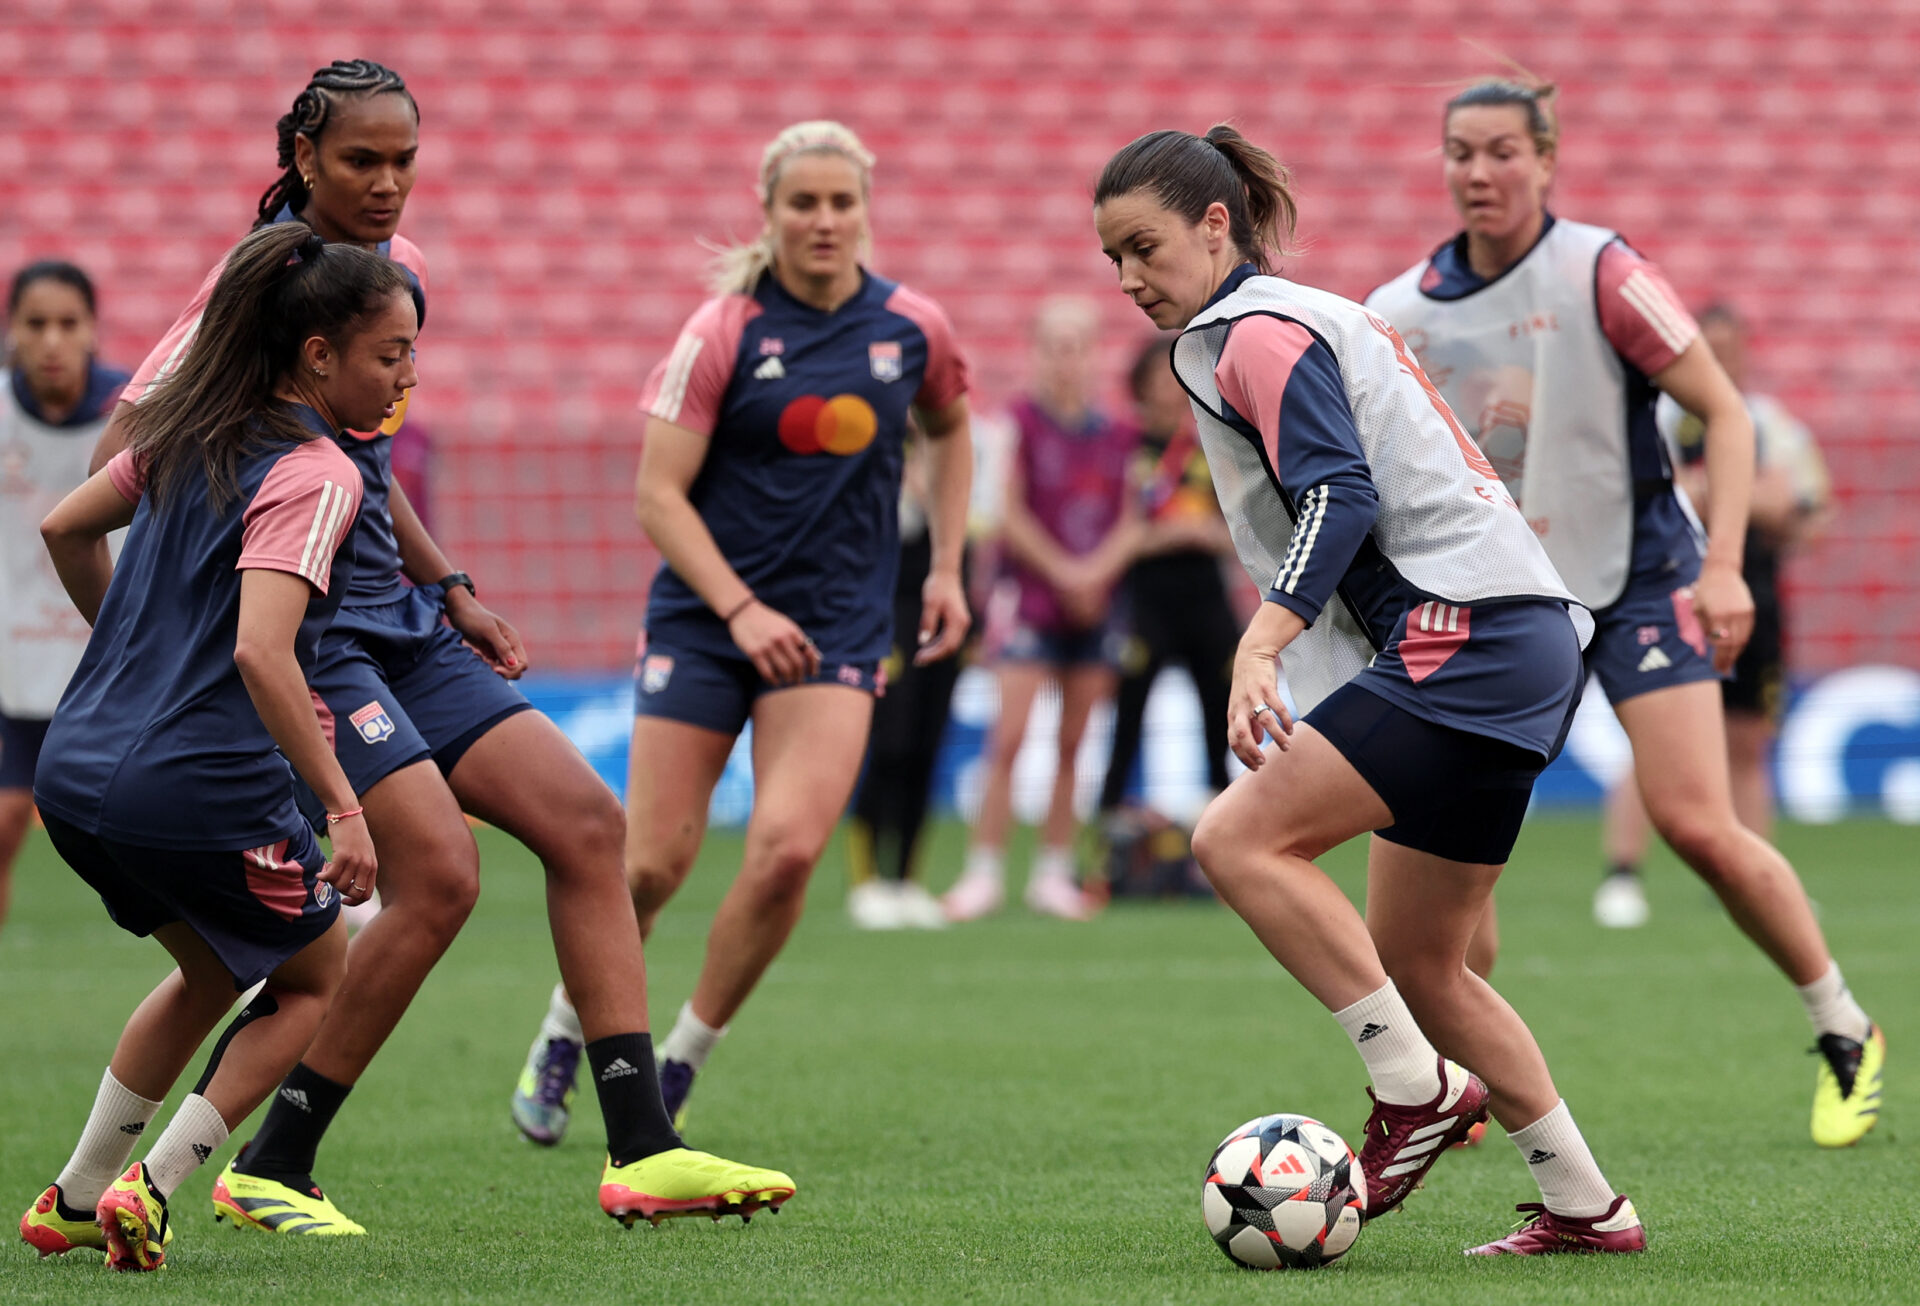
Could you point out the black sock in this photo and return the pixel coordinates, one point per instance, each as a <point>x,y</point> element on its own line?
<point>302,1109</point>
<point>1624,868</point>
<point>629,1089</point>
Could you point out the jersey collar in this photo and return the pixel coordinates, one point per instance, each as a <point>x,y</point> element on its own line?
<point>1450,276</point>
<point>1235,279</point>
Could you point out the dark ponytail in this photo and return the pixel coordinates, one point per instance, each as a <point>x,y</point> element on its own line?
<point>280,286</point>
<point>308,118</point>
<point>1188,173</point>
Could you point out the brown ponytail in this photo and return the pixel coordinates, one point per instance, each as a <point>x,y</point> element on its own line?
<point>279,287</point>
<point>1188,173</point>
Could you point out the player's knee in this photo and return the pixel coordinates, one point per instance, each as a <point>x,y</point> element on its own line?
<point>1706,843</point>
<point>653,874</point>
<point>783,860</point>
<point>439,885</point>
<point>1214,846</point>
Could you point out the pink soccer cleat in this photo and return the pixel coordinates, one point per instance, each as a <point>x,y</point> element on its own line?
<point>1403,1142</point>
<point>1543,1233</point>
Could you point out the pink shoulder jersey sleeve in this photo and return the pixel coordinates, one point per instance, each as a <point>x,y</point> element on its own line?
<point>173,346</point>
<point>301,513</point>
<point>688,385</point>
<point>948,375</point>
<point>1641,315</point>
<point>408,255</point>
<point>128,475</point>
<point>1254,369</point>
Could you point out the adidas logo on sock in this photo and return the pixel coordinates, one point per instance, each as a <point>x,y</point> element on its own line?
<point>771,370</point>
<point>298,1097</point>
<point>618,1066</point>
<point>1537,1156</point>
<point>1655,660</point>
<point>1370,1030</point>
<point>137,1128</point>
<point>202,1151</point>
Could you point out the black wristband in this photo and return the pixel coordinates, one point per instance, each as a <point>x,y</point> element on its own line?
<point>453,578</point>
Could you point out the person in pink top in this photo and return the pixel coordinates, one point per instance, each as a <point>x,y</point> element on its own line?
<point>1072,522</point>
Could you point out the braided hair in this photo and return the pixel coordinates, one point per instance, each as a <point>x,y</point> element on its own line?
<point>308,118</point>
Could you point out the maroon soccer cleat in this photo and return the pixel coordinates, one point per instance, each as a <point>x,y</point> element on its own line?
<point>1403,1142</point>
<point>1543,1233</point>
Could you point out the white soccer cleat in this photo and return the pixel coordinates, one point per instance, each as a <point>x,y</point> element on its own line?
<point>919,910</point>
<point>1056,895</point>
<point>1620,903</point>
<point>873,905</point>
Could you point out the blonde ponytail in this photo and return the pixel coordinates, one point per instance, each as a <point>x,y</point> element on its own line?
<point>737,269</point>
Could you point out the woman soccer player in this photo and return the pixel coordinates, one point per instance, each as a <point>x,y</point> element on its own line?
<point>426,729</point>
<point>159,779</point>
<point>1551,340</point>
<point>1071,524</point>
<point>1428,637</point>
<point>50,416</point>
<point>770,480</point>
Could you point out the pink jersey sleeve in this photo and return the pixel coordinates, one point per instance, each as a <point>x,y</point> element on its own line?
<point>408,255</point>
<point>301,514</point>
<point>1643,318</point>
<point>128,475</point>
<point>948,376</point>
<point>173,346</point>
<point>1255,367</point>
<point>689,383</point>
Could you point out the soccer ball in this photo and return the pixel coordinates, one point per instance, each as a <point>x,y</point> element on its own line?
<point>1284,1193</point>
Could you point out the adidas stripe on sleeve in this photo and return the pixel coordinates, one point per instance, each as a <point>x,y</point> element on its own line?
<point>301,514</point>
<point>1284,382</point>
<point>1642,316</point>
<point>688,385</point>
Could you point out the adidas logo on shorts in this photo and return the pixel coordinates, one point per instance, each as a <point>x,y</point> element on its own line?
<point>618,1067</point>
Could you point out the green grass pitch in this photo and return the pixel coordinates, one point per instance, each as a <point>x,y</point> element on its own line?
<point>1020,1111</point>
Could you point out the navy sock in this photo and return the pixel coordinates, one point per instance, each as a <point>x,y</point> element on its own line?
<point>629,1091</point>
<point>302,1109</point>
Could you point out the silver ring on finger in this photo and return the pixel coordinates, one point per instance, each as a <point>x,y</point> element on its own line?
<point>1262,708</point>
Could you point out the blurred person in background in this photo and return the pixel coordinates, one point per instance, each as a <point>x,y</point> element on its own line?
<point>1550,341</point>
<point>1791,496</point>
<point>58,399</point>
<point>909,721</point>
<point>1177,606</point>
<point>770,482</point>
<point>1070,525</point>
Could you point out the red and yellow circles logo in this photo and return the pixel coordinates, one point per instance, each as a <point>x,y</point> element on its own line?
<point>842,425</point>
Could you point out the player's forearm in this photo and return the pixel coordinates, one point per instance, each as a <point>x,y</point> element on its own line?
<point>1029,544</point>
<point>421,560</point>
<point>85,568</point>
<point>680,533</point>
<point>280,695</point>
<point>949,472</point>
<point>1730,470</point>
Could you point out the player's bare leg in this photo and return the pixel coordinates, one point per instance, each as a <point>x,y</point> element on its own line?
<point>1620,903</point>
<point>1749,744</point>
<point>672,769</point>
<point>981,888</point>
<point>16,818</point>
<point>1051,886</point>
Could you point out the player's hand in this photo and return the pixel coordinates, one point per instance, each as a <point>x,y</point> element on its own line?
<point>779,650</point>
<point>1255,710</point>
<point>1724,605</point>
<point>487,634</point>
<point>352,867</point>
<point>944,618</point>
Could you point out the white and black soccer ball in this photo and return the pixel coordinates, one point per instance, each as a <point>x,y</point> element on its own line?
<point>1284,1192</point>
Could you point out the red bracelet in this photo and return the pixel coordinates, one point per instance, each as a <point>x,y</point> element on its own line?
<point>334,818</point>
<point>739,608</point>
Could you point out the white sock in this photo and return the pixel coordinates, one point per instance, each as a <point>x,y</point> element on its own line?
<point>195,1133</point>
<point>1569,1178</point>
<point>562,1020</point>
<point>113,1130</point>
<point>1403,1066</point>
<point>1831,1008</point>
<point>691,1040</point>
<point>1052,864</point>
<point>989,863</point>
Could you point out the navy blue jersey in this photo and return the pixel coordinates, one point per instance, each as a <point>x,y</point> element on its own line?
<point>807,414</point>
<point>156,741</point>
<point>376,579</point>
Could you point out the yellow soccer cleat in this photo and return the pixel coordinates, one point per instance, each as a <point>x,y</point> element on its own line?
<point>53,1228</point>
<point>682,1182</point>
<point>133,1219</point>
<point>272,1207</point>
<point>1846,1096</point>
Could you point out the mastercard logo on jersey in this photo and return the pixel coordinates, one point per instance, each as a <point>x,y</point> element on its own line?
<point>843,425</point>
